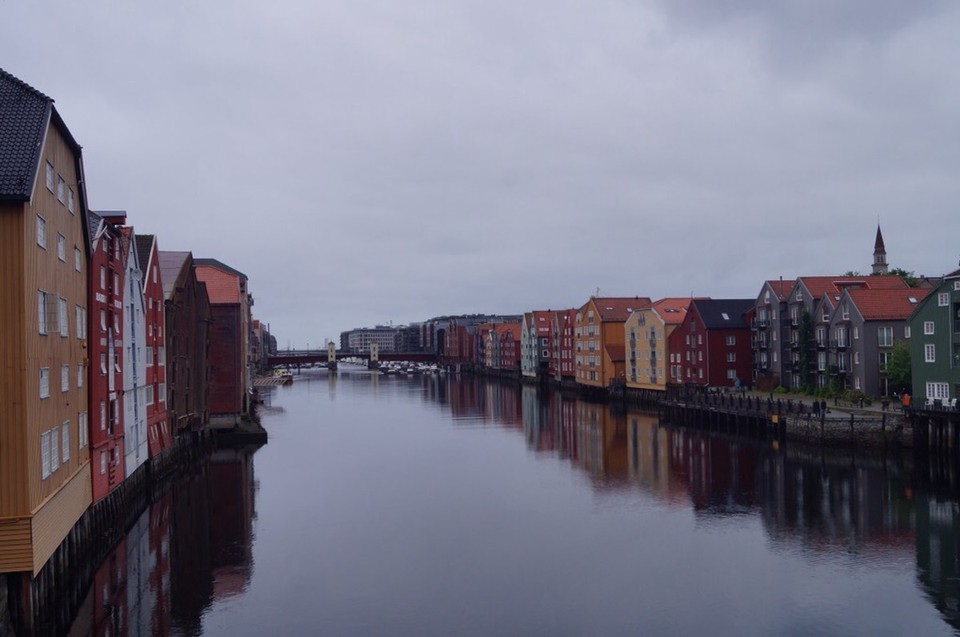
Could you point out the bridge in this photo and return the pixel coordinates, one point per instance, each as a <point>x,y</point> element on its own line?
<point>307,358</point>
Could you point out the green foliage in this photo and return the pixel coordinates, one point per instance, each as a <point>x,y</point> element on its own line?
<point>779,389</point>
<point>908,277</point>
<point>899,371</point>
<point>851,273</point>
<point>854,396</point>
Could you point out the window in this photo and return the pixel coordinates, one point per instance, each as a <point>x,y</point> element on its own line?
<point>61,247</point>
<point>856,333</point>
<point>825,317</point>
<point>885,336</point>
<point>103,415</point>
<point>699,339</point>
<point>161,356</point>
<point>103,465</point>
<point>929,353</point>
<point>731,357</point>
<point>82,427</point>
<point>77,259</point>
<point>41,232</point>
<point>938,390</point>
<point>731,340</point>
<point>62,311</point>
<point>821,361</point>
<point>116,282</point>
<point>906,332</point>
<point>61,189</point>
<point>45,455</point>
<point>48,313</point>
<point>943,299</point>
<point>80,318</point>
<point>149,356</point>
<point>731,374</point>
<point>103,363</point>
<point>148,393</point>
<point>956,285</point>
<point>79,375</point>
<point>856,360</point>
<point>884,360</point>
<point>928,327</point>
<point>65,440</point>
<point>54,450</point>
<point>71,202</point>
<point>103,277</point>
<point>846,312</point>
<point>103,320</point>
<point>64,378</point>
<point>44,382</point>
<point>50,174</point>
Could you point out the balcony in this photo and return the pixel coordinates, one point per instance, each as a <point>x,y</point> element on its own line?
<point>795,343</point>
<point>841,344</point>
<point>760,324</point>
<point>821,345</point>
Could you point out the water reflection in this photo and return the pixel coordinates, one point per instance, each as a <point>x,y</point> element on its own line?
<point>191,547</point>
<point>195,548</point>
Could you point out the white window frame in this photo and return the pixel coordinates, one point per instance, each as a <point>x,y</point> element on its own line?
<point>71,200</point>
<point>44,382</point>
<point>928,328</point>
<point>65,441</point>
<point>80,375</point>
<point>50,176</point>
<point>54,450</point>
<point>61,247</point>
<point>936,390</point>
<point>62,317</point>
<point>41,232</point>
<point>61,189</point>
<point>82,433</point>
<point>943,299</point>
<point>885,336</point>
<point>65,377</point>
<point>77,259</point>
<point>930,353</point>
<point>45,455</point>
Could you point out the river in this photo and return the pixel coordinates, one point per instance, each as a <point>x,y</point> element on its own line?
<point>430,505</point>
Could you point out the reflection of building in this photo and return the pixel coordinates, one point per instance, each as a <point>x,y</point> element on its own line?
<point>602,442</point>
<point>231,520</point>
<point>938,553</point>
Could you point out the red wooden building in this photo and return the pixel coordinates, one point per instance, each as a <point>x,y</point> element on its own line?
<point>159,431</point>
<point>712,346</point>
<point>105,338</point>
<point>561,349</point>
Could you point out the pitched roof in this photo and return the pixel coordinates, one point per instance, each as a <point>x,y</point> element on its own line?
<point>886,305</point>
<point>780,287</point>
<point>543,320</point>
<point>834,285</point>
<point>617,308</point>
<point>722,313</point>
<point>672,310</point>
<point>220,265</point>
<point>513,329</point>
<point>172,266</point>
<point>24,114</point>
<point>144,248</point>
<point>222,287</point>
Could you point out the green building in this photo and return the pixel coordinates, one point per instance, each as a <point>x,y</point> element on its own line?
<point>935,344</point>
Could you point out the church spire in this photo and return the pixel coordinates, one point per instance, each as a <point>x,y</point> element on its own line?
<point>879,254</point>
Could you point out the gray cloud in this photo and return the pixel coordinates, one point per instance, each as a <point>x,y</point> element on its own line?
<point>370,161</point>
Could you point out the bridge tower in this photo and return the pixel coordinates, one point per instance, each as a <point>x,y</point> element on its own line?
<point>374,362</point>
<point>332,356</point>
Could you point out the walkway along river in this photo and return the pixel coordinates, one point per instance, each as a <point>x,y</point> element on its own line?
<point>442,505</point>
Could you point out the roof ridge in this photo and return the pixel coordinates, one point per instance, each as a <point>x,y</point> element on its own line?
<point>13,78</point>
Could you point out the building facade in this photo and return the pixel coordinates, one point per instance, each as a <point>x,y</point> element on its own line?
<point>44,262</point>
<point>159,431</point>
<point>935,344</point>
<point>599,357</point>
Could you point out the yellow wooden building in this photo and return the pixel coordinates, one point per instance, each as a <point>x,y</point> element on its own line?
<point>647,342</point>
<point>44,458</point>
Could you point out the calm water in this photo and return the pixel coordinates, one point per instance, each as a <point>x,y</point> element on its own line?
<point>396,506</point>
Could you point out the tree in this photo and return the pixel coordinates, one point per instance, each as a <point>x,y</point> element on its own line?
<point>908,277</point>
<point>899,371</point>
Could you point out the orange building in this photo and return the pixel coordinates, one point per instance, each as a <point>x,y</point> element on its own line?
<point>44,260</point>
<point>599,339</point>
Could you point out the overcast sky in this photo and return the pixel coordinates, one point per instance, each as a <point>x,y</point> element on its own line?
<point>368,161</point>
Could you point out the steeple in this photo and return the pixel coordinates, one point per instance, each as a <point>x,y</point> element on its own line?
<point>879,254</point>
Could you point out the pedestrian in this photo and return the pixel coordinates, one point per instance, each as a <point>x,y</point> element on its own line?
<point>816,407</point>
<point>905,402</point>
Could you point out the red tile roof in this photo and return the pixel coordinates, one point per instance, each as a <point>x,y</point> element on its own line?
<point>672,310</point>
<point>222,287</point>
<point>543,320</point>
<point>780,287</point>
<point>619,309</point>
<point>887,305</point>
<point>834,285</point>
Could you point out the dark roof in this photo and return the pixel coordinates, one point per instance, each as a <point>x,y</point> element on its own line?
<point>711,312</point>
<point>220,265</point>
<point>144,247</point>
<point>878,244</point>
<point>174,267</point>
<point>24,114</point>
<point>93,224</point>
